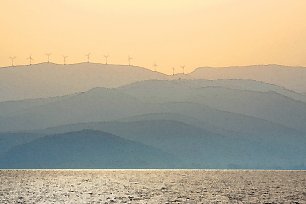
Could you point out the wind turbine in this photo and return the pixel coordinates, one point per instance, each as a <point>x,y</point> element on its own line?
<point>106,58</point>
<point>30,59</point>
<point>155,65</point>
<point>173,69</point>
<point>88,57</point>
<point>183,68</point>
<point>130,59</point>
<point>64,57</point>
<point>12,59</point>
<point>48,57</point>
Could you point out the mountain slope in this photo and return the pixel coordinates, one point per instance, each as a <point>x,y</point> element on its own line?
<point>9,140</point>
<point>268,104</point>
<point>292,78</point>
<point>48,80</point>
<point>276,148</point>
<point>85,149</point>
<point>233,109</point>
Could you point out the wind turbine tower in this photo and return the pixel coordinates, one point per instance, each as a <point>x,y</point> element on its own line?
<point>30,59</point>
<point>173,69</point>
<point>106,58</point>
<point>12,60</point>
<point>48,57</point>
<point>130,59</point>
<point>183,68</point>
<point>88,57</point>
<point>65,57</point>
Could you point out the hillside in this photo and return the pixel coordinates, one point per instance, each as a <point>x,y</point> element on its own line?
<point>292,78</point>
<point>49,80</point>
<point>84,149</point>
<point>212,105</point>
<point>74,146</point>
<point>205,124</point>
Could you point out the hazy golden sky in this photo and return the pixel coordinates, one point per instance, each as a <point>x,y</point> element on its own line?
<point>168,32</point>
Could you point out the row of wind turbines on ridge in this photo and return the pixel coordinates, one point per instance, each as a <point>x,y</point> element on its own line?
<point>106,57</point>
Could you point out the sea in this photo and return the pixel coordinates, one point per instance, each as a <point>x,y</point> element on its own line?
<point>152,186</point>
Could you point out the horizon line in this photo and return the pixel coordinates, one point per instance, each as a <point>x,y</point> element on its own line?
<point>194,69</point>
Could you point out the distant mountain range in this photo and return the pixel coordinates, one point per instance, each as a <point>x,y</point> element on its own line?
<point>49,80</point>
<point>207,102</point>
<point>169,123</point>
<point>292,78</point>
<point>84,149</point>
<point>198,147</point>
<point>151,144</point>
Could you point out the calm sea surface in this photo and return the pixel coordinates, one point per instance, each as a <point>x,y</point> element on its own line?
<point>152,186</point>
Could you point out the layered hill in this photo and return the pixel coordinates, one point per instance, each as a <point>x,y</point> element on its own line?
<point>151,143</point>
<point>199,147</point>
<point>231,108</point>
<point>250,98</point>
<point>49,80</point>
<point>292,78</point>
<point>204,123</point>
<point>84,149</point>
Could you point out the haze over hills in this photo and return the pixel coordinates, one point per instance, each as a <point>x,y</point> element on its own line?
<point>48,80</point>
<point>9,140</point>
<point>194,147</point>
<point>198,147</point>
<point>84,149</point>
<point>267,104</point>
<point>225,123</point>
<point>64,104</point>
<point>292,78</point>
<point>189,98</point>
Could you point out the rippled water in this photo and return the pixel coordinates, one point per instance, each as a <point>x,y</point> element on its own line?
<point>152,186</point>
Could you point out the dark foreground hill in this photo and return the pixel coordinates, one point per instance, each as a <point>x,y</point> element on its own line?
<point>149,143</point>
<point>85,149</point>
<point>269,147</point>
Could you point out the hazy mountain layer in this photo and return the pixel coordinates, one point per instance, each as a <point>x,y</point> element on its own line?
<point>193,147</point>
<point>205,124</point>
<point>85,149</point>
<point>198,147</point>
<point>232,109</point>
<point>292,78</point>
<point>255,99</point>
<point>49,80</point>
<point>9,140</point>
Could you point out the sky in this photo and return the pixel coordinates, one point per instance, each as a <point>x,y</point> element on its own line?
<point>169,33</point>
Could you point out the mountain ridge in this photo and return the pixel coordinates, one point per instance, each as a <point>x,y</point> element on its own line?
<point>101,104</point>
<point>48,79</point>
<point>286,76</point>
<point>194,147</point>
<point>84,149</point>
